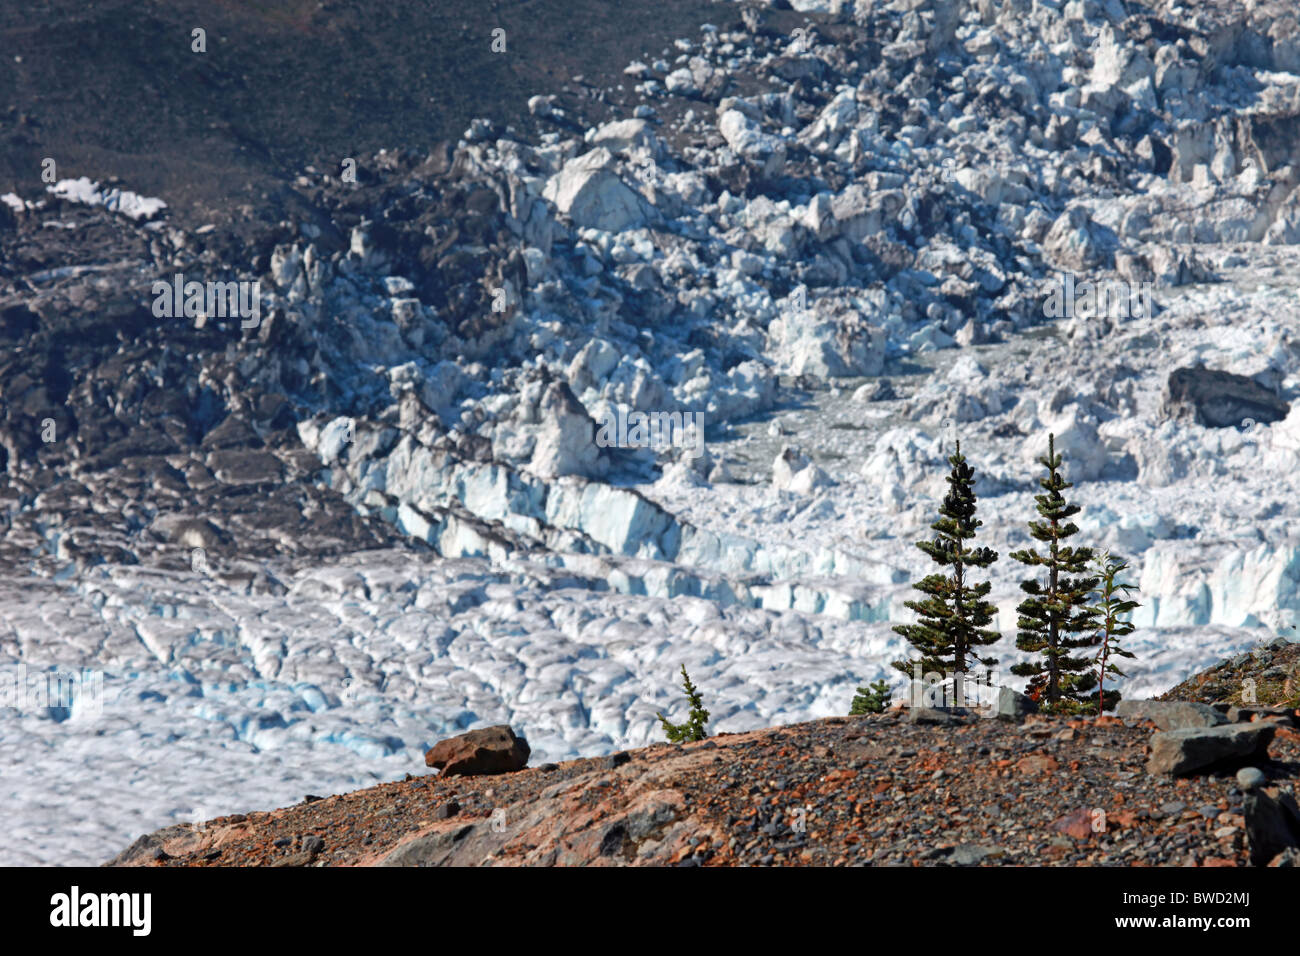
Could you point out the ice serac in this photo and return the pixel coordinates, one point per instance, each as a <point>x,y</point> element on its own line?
<point>591,193</point>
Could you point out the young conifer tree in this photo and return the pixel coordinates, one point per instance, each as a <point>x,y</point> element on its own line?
<point>1055,619</point>
<point>954,617</point>
<point>696,720</point>
<point>1112,601</point>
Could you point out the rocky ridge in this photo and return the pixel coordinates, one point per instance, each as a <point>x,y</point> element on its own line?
<point>874,791</point>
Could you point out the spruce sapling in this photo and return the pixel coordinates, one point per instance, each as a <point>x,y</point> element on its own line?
<point>693,729</point>
<point>954,618</point>
<point>1056,619</point>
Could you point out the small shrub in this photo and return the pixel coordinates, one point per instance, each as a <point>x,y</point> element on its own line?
<point>871,700</point>
<point>1112,601</point>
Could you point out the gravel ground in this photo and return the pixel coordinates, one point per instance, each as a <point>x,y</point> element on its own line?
<point>842,791</point>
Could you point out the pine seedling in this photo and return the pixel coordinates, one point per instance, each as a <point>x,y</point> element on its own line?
<point>871,699</point>
<point>1112,602</point>
<point>1055,619</point>
<point>954,617</point>
<point>693,729</point>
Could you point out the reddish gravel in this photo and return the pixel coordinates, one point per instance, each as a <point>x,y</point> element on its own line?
<point>873,791</point>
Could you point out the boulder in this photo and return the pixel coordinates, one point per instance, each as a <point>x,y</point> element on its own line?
<point>486,751</point>
<point>1272,824</point>
<point>1014,706</point>
<point>1221,399</point>
<point>935,716</point>
<point>1250,778</point>
<point>1204,748</point>
<point>1286,716</point>
<point>1170,714</point>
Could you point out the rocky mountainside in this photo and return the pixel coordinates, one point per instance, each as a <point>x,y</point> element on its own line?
<point>288,83</point>
<point>942,790</point>
<point>372,499</point>
<point>1268,675</point>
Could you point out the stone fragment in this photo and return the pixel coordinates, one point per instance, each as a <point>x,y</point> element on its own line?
<point>1194,749</point>
<point>487,751</point>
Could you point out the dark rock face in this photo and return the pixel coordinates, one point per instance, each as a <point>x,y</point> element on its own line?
<point>1221,399</point>
<point>1202,748</point>
<point>421,92</point>
<point>183,417</point>
<point>1272,825</point>
<point>486,751</point>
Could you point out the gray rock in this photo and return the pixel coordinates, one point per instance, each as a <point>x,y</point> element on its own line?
<point>1171,714</point>
<point>445,846</point>
<point>614,761</point>
<point>1249,778</point>
<point>1283,715</point>
<point>1014,706</point>
<point>970,854</point>
<point>1202,748</point>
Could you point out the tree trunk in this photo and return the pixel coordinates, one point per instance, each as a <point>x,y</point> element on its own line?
<point>1053,678</point>
<point>959,645</point>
